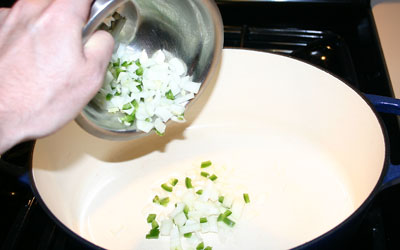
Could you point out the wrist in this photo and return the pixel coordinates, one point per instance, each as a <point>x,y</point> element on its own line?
<point>7,141</point>
<point>10,132</point>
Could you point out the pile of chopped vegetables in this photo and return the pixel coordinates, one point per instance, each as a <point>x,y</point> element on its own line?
<point>145,92</point>
<point>187,209</point>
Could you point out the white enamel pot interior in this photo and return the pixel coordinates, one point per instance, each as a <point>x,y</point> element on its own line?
<point>307,148</point>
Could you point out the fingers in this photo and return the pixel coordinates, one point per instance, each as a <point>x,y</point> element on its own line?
<point>3,14</point>
<point>30,8</point>
<point>98,51</point>
<point>77,9</point>
<point>23,11</point>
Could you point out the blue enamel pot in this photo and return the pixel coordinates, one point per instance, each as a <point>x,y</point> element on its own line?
<point>311,151</point>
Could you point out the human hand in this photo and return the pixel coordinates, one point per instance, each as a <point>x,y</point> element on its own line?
<point>46,74</point>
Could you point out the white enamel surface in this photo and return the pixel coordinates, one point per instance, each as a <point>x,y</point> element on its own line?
<point>387,20</point>
<point>307,149</point>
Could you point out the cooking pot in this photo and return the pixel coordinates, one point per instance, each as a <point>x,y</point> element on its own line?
<point>310,150</point>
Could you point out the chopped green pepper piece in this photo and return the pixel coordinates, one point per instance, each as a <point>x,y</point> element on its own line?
<point>139,71</point>
<point>221,199</point>
<point>204,174</point>
<point>213,177</point>
<point>187,235</point>
<point>228,222</point>
<point>126,106</point>
<point>200,246</point>
<point>169,95</point>
<point>153,234</point>
<point>116,64</point>
<point>129,118</point>
<point>188,182</point>
<point>199,192</point>
<point>156,199</point>
<point>227,213</point>
<point>164,202</point>
<point>246,198</point>
<point>119,70</point>
<point>109,96</point>
<point>166,187</point>
<point>203,220</point>
<point>154,224</point>
<point>151,218</point>
<point>221,217</point>
<point>174,181</point>
<point>205,164</point>
<point>186,211</point>
<point>126,64</point>
<point>135,104</point>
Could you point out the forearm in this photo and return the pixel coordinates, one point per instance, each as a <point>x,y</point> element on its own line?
<point>12,111</point>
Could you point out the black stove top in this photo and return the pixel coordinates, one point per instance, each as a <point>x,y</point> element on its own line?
<point>338,36</point>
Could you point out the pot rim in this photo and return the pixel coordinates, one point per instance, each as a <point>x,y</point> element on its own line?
<point>48,211</point>
<point>367,202</point>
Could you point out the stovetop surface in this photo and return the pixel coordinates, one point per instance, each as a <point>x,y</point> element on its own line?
<point>338,36</point>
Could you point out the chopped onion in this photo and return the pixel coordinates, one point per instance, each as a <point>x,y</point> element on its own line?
<point>166,227</point>
<point>175,239</point>
<point>178,209</point>
<point>237,209</point>
<point>158,84</point>
<point>203,205</point>
<point>180,219</point>
<point>228,201</point>
<point>190,227</point>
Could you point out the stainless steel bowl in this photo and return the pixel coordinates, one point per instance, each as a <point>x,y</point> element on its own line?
<point>191,30</point>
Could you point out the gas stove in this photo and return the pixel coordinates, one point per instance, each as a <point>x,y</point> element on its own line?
<point>336,35</point>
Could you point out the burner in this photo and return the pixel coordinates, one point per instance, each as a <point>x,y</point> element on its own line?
<point>320,48</point>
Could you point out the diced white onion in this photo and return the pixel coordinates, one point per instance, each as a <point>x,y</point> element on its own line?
<point>184,98</point>
<point>166,227</point>
<point>190,228</point>
<point>177,66</point>
<point>180,219</point>
<point>144,126</point>
<point>175,239</point>
<point>159,125</point>
<point>190,86</point>
<point>159,57</point>
<point>189,198</point>
<point>212,223</point>
<point>134,76</point>
<point>195,240</point>
<point>163,113</point>
<point>178,209</point>
<point>195,211</point>
<point>237,208</point>
<point>228,200</point>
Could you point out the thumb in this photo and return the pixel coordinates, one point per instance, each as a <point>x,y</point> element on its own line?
<point>98,49</point>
